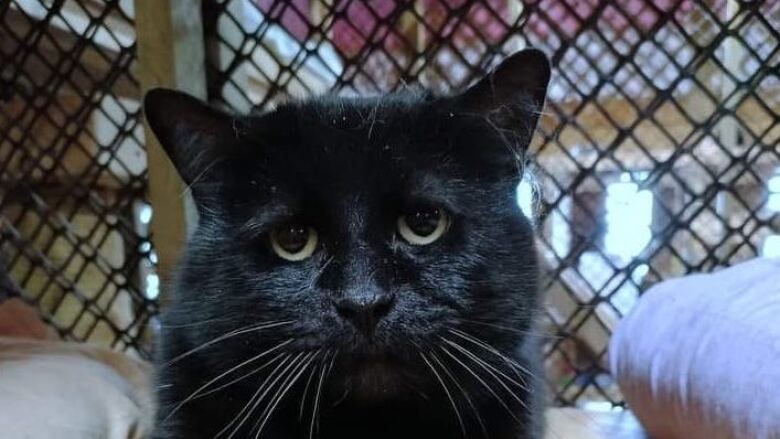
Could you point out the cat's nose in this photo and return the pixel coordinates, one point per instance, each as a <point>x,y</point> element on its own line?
<point>364,312</point>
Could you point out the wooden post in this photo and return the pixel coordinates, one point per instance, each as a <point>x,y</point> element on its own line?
<point>170,54</point>
<point>730,133</point>
<point>734,56</point>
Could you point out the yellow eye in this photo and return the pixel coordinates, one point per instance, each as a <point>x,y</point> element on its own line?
<point>423,226</point>
<point>294,242</point>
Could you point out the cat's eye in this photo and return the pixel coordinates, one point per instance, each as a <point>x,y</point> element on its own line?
<point>423,226</point>
<point>293,241</point>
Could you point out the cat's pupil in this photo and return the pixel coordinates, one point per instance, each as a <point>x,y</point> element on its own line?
<point>423,221</point>
<point>292,237</point>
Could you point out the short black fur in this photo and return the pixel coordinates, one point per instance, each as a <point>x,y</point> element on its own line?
<point>452,353</point>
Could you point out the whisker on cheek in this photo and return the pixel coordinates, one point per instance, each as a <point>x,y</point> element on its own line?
<point>512,330</point>
<point>255,327</point>
<point>482,344</point>
<point>482,382</point>
<point>224,374</point>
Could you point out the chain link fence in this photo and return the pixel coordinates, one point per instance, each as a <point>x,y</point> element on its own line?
<point>658,155</point>
<point>73,171</point>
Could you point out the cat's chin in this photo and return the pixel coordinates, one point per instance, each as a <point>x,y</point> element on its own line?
<point>375,380</point>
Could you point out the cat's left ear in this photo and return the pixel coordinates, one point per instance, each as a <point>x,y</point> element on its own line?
<point>512,95</point>
<point>194,134</point>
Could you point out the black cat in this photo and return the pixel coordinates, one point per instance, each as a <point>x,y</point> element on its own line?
<point>361,268</point>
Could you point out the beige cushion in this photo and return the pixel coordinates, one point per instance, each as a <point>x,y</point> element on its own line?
<point>53,389</point>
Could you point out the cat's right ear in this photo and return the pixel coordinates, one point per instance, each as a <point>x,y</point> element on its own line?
<point>190,131</point>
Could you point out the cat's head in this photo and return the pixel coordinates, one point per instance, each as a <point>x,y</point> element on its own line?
<point>371,227</point>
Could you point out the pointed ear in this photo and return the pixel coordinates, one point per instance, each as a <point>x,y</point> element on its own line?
<point>190,131</point>
<point>512,95</point>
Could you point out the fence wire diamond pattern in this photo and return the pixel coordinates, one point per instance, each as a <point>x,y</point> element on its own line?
<point>657,156</point>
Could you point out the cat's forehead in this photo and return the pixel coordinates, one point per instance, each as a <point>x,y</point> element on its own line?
<point>401,144</point>
<point>346,152</point>
<point>390,104</point>
<point>350,134</point>
<point>369,118</point>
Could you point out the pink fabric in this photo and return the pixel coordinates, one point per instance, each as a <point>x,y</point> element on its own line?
<point>699,356</point>
<point>359,24</point>
<point>18,319</point>
<point>568,17</point>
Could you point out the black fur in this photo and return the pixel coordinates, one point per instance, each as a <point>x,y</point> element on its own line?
<point>349,167</point>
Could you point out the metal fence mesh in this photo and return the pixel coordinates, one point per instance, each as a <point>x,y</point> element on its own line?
<point>72,168</point>
<point>658,155</point>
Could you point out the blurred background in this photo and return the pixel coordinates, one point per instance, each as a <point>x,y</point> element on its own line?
<point>658,154</point>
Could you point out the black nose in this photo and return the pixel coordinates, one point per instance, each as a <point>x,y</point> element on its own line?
<point>365,312</point>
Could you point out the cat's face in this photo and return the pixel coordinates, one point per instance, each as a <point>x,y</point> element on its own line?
<point>369,227</point>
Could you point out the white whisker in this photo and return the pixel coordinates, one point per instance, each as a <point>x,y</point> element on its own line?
<point>252,398</point>
<point>268,388</point>
<point>491,349</point>
<point>485,364</point>
<point>316,407</point>
<point>306,392</point>
<point>242,377</point>
<point>463,391</point>
<point>446,391</point>
<point>285,387</point>
<point>482,382</point>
